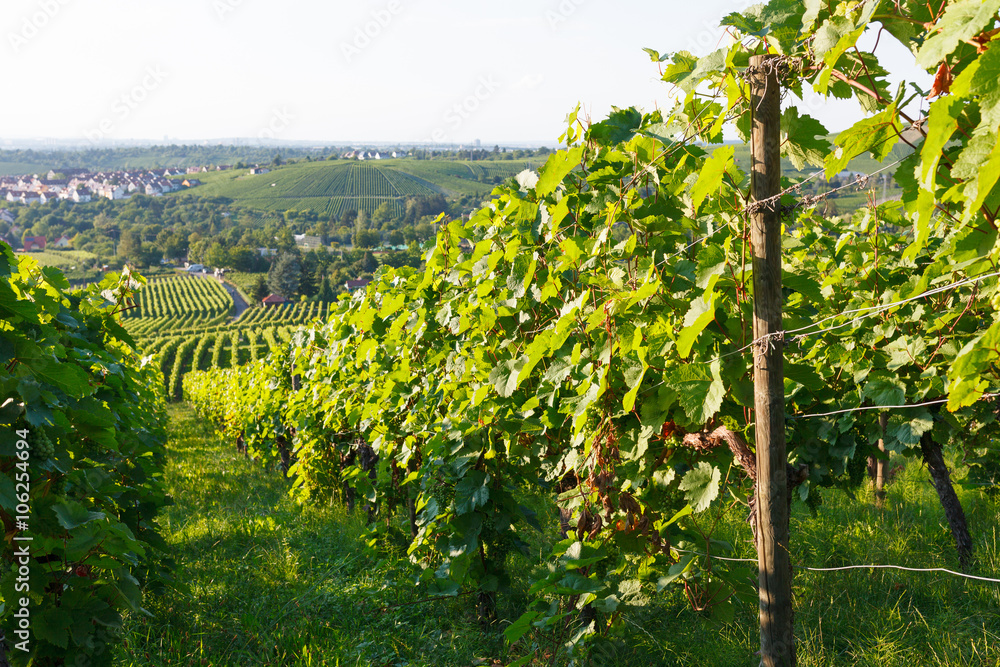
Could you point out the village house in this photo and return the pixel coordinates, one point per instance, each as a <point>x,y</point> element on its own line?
<point>33,243</point>
<point>62,242</point>
<point>272,300</point>
<point>352,285</point>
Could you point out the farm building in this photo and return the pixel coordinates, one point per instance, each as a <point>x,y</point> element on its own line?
<point>273,300</point>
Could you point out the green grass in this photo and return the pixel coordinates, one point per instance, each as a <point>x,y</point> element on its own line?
<point>272,582</point>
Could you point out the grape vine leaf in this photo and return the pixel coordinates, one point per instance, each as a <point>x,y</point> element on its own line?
<point>884,391</point>
<point>72,514</point>
<point>962,21</point>
<point>556,168</point>
<point>471,492</point>
<point>700,389</point>
<point>701,485</point>
<point>702,312</point>
<point>711,174</point>
<point>803,139</point>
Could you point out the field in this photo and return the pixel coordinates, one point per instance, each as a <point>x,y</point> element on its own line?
<point>187,323</point>
<point>19,168</point>
<point>66,260</point>
<point>332,187</point>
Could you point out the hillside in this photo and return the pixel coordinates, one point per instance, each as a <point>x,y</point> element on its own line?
<point>332,187</point>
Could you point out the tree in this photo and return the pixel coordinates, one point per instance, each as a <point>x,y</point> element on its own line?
<point>131,245</point>
<point>284,275</point>
<point>259,289</point>
<point>366,239</point>
<point>285,240</point>
<point>242,258</point>
<point>368,263</point>
<point>326,293</point>
<point>217,255</point>
<point>382,215</point>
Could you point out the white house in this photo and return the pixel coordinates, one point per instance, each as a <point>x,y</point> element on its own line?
<point>62,242</point>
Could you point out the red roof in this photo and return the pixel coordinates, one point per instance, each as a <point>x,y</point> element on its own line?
<point>357,284</point>
<point>272,299</point>
<point>34,243</point>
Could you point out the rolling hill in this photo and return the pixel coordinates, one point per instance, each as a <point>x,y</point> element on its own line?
<point>331,187</point>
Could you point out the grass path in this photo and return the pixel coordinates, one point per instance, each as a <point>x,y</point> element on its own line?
<point>269,582</point>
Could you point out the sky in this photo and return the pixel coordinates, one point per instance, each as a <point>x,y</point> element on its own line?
<point>330,71</point>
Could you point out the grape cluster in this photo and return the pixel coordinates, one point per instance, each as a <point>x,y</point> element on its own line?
<point>498,544</point>
<point>443,493</point>
<point>41,446</point>
<point>857,468</point>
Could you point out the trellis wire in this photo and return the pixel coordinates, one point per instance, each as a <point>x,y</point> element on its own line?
<point>850,567</point>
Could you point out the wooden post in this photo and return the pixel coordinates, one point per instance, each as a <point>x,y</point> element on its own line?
<point>777,642</point>
<point>883,420</point>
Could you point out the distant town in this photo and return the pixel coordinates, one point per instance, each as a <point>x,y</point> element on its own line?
<point>81,186</point>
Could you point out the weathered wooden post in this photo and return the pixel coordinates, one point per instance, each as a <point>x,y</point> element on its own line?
<point>777,641</point>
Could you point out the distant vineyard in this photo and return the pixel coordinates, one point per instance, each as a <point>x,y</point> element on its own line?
<point>330,188</point>
<point>185,323</point>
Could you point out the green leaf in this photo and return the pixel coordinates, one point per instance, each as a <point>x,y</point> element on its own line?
<point>556,169</point>
<point>905,351</point>
<point>697,318</point>
<point>700,389</point>
<point>962,20</point>
<point>52,626</point>
<point>471,492</point>
<point>701,485</point>
<point>942,121</point>
<point>72,514</point>
<point>803,139</point>
<point>711,262</point>
<point>979,80</point>
<point>877,134</point>
<point>813,8</point>
<point>518,628</point>
<point>711,174</point>
<point>620,126</point>
<point>907,431</point>
<point>884,391</point>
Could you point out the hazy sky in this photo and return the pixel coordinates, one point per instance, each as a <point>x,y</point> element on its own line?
<point>375,70</point>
